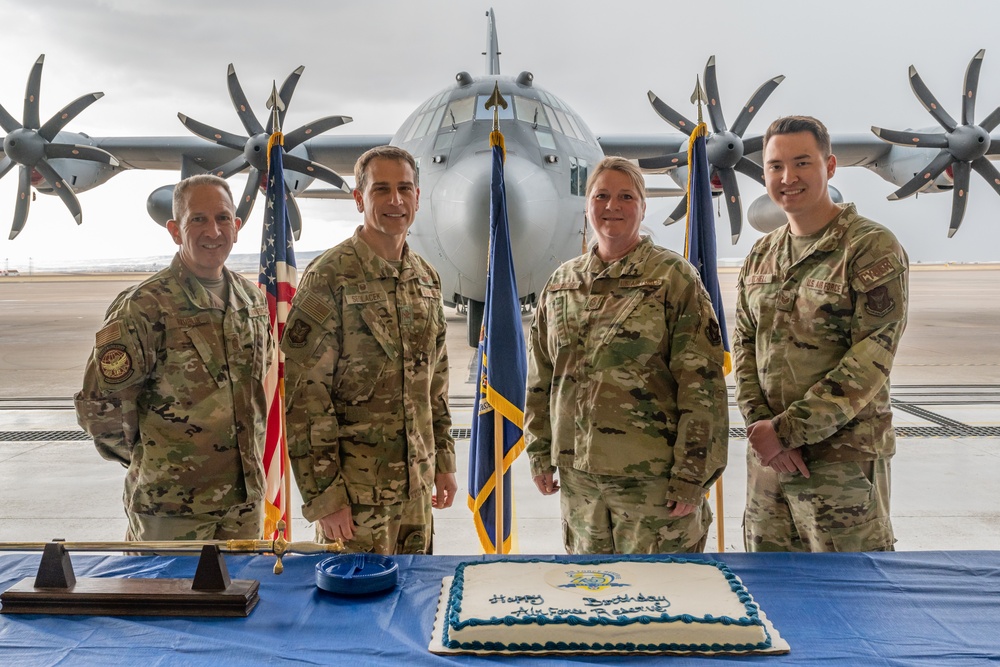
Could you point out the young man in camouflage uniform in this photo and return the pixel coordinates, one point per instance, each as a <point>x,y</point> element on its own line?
<point>174,388</point>
<point>626,392</point>
<point>367,376</point>
<point>822,306</point>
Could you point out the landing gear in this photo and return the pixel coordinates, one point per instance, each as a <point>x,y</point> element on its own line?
<point>474,320</point>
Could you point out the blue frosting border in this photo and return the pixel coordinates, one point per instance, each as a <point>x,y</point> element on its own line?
<point>454,608</point>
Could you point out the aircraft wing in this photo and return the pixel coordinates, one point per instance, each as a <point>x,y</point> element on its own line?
<point>338,153</point>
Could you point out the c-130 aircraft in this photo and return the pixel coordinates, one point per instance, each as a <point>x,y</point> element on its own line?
<point>550,150</point>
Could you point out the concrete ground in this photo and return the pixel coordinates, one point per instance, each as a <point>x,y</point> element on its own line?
<point>946,383</point>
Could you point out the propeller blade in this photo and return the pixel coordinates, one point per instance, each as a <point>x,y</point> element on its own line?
<point>245,205</point>
<point>920,139</point>
<point>309,168</point>
<point>664,162</point>
<point>23,202</point>
<point>231,168</point>
<point>959,196</point>
<point>287,89</point>
<point>221,137</point>
<point>734,205</point>
<point>748,167</point>
<point>753,144</point>
<point>6,164</point>
<point>666,113</point>
<point>679,213</point>
<point>989,173</point>
<point>296,137</point>
<point>714,104</point>
<point>80,152</point>
<point>930,102</point>
<point>30,116</point>
<point>7,122</point>
<point>69,112</point>
<point>971,87</point>
<point>748,112</point>
<point>294,216</point>
<point>991,121</point>
<point>250,123</point>
<point>62,189</point>
<point>924,178</point>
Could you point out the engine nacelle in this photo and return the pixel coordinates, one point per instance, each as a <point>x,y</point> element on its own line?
<point>160,204</point>
<point>903,163</point>
<point>765,216</point>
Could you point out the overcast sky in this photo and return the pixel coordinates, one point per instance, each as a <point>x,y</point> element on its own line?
<point>376,61</point>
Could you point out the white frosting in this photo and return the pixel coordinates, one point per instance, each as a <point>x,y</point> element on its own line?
<point>690,605</point>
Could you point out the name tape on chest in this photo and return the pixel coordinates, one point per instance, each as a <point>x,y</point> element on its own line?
<point>367,297</point>
<point>640,282</point>
<point>759,279</point>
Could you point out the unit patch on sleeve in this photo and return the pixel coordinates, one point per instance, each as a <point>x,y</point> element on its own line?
<point>115,363</point>
<point>879,302</point>
<point>298,333</point>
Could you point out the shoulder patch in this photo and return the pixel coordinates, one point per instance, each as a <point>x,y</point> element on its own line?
<point>109,334</point>
<point>115,363</point>
<point>314,307</point>
<point>298,333</point>
<point>872,275</point>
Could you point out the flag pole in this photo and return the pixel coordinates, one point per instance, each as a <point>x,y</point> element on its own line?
<point>496,101</point>
<point>699,97</point>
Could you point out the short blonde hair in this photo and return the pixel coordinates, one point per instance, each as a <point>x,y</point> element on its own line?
<point>615,163</point>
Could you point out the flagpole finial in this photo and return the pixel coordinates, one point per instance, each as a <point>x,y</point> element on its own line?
<point>699,96</point>
<point>276,106</point>
<point>496,102</point>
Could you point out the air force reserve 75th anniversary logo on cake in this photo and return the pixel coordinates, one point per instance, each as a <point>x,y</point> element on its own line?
<point>584,581</point>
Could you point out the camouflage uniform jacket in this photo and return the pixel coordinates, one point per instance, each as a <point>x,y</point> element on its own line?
<point>815,339</point>
<point>366,371</point>
<point>174,390</point>
<point>625,373</point>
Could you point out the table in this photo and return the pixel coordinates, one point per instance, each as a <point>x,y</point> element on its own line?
<point>909,608</point>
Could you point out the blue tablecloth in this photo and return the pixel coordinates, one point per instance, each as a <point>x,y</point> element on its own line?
<point>915,608</point>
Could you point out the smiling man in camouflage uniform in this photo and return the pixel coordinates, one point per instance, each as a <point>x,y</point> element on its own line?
<point>174,387</point>
<point>822,306</point>
<point>367,376</point>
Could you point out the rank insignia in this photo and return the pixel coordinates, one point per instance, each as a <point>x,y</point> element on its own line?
<point>879,302</point>
<point>115,364</point>
<point>298,333</point>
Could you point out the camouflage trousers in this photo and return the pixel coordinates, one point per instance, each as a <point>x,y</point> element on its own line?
<point>611,514</point>
<point>841,507</point>
<point>402,528</point>
<point>239,522</point>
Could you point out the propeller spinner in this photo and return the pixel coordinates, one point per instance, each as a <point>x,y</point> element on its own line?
<point>254,146</point>
<point>727,149</point>
<point>962,146</point>
<point>31,145</point>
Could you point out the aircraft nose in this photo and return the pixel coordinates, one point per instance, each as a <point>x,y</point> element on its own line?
<point>461,213</point>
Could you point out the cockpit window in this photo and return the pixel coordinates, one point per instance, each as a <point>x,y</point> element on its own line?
<point>482,113</point>
<point>530,111</point>
<point>458,111</point>
<point>567,126</point>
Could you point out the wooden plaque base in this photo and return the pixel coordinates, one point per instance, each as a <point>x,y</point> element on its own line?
<point>56,590</point>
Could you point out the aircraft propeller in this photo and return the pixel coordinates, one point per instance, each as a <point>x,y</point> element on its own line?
<point>727,149</point>
<point>963,146</point>
<point>254,147</point>
<point>31,145</point>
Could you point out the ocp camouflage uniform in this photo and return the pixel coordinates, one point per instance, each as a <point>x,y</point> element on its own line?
<point>367,386</point>
<point>627,398</point>
<point>814,344</point>
<point>174,391</point>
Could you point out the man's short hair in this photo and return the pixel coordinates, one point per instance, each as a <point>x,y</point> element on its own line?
<point>615,163</point>
<point>182,188</point>
<point>382,153</point>
<point>795,124</point>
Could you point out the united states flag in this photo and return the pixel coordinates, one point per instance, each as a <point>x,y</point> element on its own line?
<point>278,278</point>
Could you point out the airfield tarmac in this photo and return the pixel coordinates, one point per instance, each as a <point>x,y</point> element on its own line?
<point>946,387</point>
